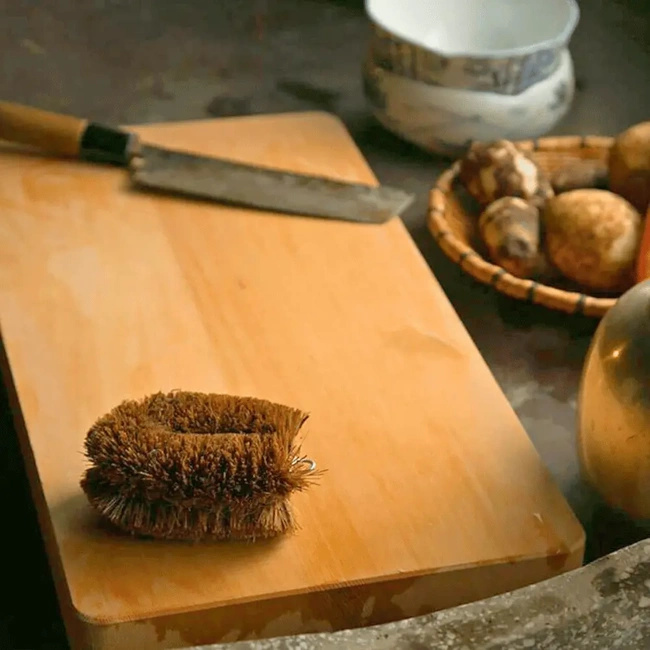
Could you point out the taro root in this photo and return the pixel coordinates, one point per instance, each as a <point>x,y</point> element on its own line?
<point>510,229</point>
<point>592,236</point>
<point>580,174</point>
<point>490,171</point>
<point>629,166</point>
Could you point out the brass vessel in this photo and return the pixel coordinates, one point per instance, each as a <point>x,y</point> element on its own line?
<point>614,405</point>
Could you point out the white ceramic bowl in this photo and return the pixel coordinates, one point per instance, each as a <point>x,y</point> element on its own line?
<point>500,46</point>
<point>445,120</point>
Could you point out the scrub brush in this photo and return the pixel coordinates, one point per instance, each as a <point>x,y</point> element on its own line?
<point>191,466</point>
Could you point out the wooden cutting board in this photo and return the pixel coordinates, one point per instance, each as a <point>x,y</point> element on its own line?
<point>433,495</point>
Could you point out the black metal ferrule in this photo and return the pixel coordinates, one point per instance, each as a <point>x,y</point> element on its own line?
<point>105,144</point>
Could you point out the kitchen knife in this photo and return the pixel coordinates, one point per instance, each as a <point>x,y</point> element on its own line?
<point>218,179</point>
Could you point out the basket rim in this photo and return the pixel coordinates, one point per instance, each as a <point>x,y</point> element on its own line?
<point>487,272</point>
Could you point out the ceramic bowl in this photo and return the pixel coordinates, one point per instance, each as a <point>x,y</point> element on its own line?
<point>444,120</point>
<point>499,46</point>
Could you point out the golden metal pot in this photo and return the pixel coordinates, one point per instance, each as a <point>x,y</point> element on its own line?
<point>614,405</point>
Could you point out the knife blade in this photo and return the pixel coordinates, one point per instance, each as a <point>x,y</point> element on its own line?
<point>183,173</point>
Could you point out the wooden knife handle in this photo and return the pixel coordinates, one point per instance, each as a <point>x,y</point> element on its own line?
<point>65,135</point>
<point>56,134</point>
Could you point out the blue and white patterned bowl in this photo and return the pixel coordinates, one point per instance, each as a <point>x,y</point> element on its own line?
<point>498,46</point>
<point>424,84</point>
<point>446,120</point>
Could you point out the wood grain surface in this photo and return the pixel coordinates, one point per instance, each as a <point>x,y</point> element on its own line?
<point>433,494</point>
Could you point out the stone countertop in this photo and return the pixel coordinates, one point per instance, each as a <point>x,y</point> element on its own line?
<point>158,60</point>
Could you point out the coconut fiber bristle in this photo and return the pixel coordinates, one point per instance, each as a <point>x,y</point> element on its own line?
<point>186,465</point>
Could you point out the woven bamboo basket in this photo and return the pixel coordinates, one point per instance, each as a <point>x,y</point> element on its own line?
<point>454,226</point>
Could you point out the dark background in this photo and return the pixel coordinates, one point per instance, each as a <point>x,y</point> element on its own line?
<point>155,60</point>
